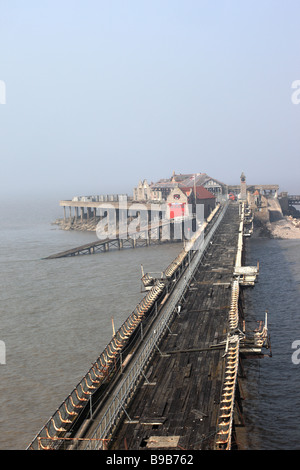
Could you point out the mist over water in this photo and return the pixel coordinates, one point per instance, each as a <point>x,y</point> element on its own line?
<point>56,318</point>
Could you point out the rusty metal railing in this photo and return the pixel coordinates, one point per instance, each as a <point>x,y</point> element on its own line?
<point>224,428</point>
<point>61,421</point>
<point>120,400</point>
<point>232,352</point>
<point>70,409</point>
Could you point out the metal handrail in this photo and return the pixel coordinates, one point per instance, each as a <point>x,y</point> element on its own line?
<point>117,404</point>
<point>70,409</point>
<point>71,406</point>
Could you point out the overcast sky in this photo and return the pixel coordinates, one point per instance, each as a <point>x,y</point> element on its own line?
<point>100,94</point>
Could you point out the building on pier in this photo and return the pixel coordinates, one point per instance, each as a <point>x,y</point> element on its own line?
<point>155,199</point>
<point>142,192</point>
<point>182,201</point>
<point>160,190</point>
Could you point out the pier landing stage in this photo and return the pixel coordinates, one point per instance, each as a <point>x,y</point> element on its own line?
<point>178,404</point>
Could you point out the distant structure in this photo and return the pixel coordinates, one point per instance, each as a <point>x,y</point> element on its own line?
<point>142,192</point>
<point>159,191</point>
<point>243,193</point>
<point>174,197</point>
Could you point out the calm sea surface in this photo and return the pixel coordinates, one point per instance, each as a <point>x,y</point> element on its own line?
<point>274,402</point>
<point>56,318</point>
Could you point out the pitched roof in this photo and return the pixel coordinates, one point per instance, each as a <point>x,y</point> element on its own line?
<point>184,180</point>
<point>201,192</point>
<point>163,185</point>
<point>181,177</point>
<point>198,178</point>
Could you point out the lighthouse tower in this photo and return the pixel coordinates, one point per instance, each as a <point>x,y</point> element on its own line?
<point>243,194</point>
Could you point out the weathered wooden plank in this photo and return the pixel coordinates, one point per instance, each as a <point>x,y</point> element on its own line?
<point>189,382</point>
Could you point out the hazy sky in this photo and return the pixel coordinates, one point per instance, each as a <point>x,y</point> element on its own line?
<point>100,94</point>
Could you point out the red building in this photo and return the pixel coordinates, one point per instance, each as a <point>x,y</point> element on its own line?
<point>181,201</point>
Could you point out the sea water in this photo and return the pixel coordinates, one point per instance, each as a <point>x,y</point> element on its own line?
<point>58,315</point>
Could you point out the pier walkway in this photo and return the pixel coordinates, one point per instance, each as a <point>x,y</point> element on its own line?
<point>294,200</point>
<point>169,379</point>
<point>155,233</point>
<point>178,404</point>
<point>182,395</point>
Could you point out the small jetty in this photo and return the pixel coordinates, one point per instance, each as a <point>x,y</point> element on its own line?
<point>154,234</point>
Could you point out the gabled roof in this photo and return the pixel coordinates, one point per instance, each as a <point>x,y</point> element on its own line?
<point>179,190</point>
<point>201,192</point>
<point>181,177</point>
<point>164,184</point>
<point>184,180</point>
<point>199,179</point>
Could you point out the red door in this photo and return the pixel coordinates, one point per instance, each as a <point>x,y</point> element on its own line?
<point>176,210</point>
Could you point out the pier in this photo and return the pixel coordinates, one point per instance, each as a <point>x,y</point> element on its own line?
<point>170,376</point>
<point>152,234</point>
<point>88,209</point>
<point>288,200</point>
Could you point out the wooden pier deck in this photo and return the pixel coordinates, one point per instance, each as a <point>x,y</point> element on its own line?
<point>101,246</point>
<point>178,404</point>
<point>170,377</point>
<point>153,234</point>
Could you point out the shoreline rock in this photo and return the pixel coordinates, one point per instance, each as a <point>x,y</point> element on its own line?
<point>78,225</point>
<point>285,229</point>
<point>269,221</point>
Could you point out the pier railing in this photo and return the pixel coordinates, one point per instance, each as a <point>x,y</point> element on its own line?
<point>232,350</point>
<point>72,406</point>
<point>116,407</point>
<point>60,423</point>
